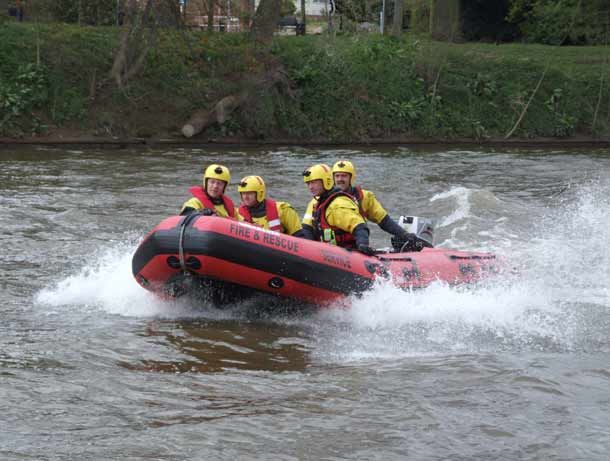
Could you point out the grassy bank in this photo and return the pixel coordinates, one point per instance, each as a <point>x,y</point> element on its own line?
<point>54,79</point>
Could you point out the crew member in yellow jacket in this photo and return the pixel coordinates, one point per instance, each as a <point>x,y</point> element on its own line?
<point>211,199</point>
<point>335,217</point>
<point>257,209</point>
<point>344,177</point>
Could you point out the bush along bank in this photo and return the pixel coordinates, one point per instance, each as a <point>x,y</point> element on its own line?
<point>54,79</point>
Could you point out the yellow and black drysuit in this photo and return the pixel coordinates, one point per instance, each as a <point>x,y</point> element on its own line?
<point>336,219</point>
<point>269,214</point>
<point>221,206</point>
<point>371,209</point>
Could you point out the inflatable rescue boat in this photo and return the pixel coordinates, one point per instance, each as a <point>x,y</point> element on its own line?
<point>224,260</point>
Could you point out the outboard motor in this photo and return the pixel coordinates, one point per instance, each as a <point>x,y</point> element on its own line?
<point>421,228</point>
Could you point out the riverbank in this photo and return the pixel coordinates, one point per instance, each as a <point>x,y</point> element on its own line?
<point>110,143</point>
<point>342,90</point>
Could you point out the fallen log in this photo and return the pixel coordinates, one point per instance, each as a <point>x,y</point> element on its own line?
<point>201,119</point>
<point>274,77</point>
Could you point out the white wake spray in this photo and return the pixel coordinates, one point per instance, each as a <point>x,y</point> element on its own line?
<point>110,286</point>
<point>559,299</point>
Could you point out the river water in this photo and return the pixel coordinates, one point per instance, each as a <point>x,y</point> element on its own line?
<point>94,367</point>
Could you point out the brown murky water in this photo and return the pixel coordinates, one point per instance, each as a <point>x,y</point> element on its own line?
<point>94,367</point>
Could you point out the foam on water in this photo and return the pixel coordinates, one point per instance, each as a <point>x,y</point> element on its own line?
<point>108,285</point>
<point>574,255</point>
<point>389,322</point>
<point>558,300</point>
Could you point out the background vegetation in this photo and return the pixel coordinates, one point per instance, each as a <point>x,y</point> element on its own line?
<point>54,78</point>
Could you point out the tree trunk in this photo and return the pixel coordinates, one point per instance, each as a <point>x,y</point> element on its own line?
<point>397,22</point>
<point>445,19</point>
<point>303,14</point>
<point>211,5</point>
<point>273,79</point>
<point>263,27</point>
<point>245,15</point>
<point>265,21</point>
<point>137,37</point>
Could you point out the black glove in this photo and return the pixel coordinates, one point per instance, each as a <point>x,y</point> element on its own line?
<point>361,235</point>
<point>365,249</point>
<point>207,212</point>
<point>306,232</point>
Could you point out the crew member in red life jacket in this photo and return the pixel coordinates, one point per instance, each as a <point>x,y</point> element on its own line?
<point>344,177</point>
<point>335,218</point>
<point>257,209</point>
<point>210,199</point>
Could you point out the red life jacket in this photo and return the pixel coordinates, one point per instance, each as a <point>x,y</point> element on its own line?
<point>273,218</point>
<point>344,239</point>
<point>200,194</point>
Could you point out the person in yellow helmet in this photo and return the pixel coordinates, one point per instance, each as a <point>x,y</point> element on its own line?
<point>210,199</point>
<point>257,209</point>
<point>344,177</point>
<point>335,216</point>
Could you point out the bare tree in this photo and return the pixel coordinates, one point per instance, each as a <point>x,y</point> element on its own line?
<point>304,14</point>
<point>210,6</point>
<point>265,21</point>
<point>397,21</point>
<point>137,38</point>
<point>271,78</point>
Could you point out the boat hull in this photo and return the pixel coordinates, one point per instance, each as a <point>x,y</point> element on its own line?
<point>221,257</point>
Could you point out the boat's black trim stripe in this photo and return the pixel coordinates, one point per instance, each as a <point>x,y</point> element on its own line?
<point>274,261</point>
<point>248,254</point>
<point>161,242</point>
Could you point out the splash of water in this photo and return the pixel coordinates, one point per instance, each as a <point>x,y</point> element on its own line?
<point>573,248</point>
<point>559,300</point>
<point>109,285</point>
<point>390,322</point>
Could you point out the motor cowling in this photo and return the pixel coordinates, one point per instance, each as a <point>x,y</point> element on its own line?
<point>421,228</point>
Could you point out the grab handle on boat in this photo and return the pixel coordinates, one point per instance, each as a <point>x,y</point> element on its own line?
<point>183,225</point>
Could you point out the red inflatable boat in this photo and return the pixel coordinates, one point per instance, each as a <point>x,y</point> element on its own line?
<point>222,259</point>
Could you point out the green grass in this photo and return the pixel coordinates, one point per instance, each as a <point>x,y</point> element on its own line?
<point>379,86</point>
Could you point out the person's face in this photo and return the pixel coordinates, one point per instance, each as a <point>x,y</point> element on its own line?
<point>248,198</point>
<point>342,180</point>
<point>315,187</point>
<point>215,187</point>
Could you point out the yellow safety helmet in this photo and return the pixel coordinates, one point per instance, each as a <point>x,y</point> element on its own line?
<point>345,166</point>
<point>253,184</point>
<point>319,171</point>
<point>216,171</point>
